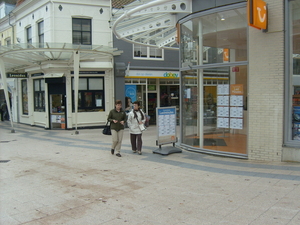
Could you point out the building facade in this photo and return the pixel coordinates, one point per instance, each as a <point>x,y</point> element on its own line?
<point>63,51</point>
<point>151,79</point>
<point>238,84</point>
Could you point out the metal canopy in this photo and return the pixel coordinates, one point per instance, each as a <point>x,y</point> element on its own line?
<point>22,56</point>
<point>150,23</point>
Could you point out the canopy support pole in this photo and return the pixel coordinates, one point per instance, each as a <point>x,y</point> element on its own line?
<point>76,83</point>
<point>4,82</point>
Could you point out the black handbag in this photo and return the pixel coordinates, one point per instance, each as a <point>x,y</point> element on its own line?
<point>106,130</point>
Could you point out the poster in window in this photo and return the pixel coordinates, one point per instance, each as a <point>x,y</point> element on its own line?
<point>98,102</point>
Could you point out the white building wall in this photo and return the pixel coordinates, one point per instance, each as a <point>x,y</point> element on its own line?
<point>266,87</point>
<point>58,29</point>
<point>58,23</point>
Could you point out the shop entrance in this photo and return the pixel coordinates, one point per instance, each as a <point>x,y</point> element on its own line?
<point>57,103</point>
<point>57,111</point>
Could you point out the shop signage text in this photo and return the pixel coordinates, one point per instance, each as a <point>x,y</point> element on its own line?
<point>152,74</point>
<point>171,75</point>
<point>16,75</point>
<point>236,89</point>
<point>258,14</point>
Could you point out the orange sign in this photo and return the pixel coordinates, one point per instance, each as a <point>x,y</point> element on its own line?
<point>226,54</point>
<point>236,89</point>
<point>258,14</point>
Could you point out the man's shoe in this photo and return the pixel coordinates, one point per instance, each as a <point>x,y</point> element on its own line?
<point>118,154</point>
<point>134,151</point>
<point>112,151</point>
<point>139,152</point>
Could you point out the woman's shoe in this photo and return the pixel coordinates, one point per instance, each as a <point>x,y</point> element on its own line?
<point>118,154</point>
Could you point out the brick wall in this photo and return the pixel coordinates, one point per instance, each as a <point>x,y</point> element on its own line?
<point>266,87</point>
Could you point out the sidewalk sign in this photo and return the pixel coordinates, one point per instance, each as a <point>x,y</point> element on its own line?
<point>166,130</point>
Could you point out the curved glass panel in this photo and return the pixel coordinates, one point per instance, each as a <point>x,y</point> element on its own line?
<point>214,97</point>
<point>219,37</point>
<point>295,69</point>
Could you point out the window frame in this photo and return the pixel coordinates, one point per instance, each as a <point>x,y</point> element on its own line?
<point>29,34</point>
<point>82,31</point>
<point>39,95</point>
<point>82,94</point>
<point>41,31</point>
<point>148,51</point>
<point>8,41</point>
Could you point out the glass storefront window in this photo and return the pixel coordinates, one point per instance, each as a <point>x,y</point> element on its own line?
<point>24,97</point>
<point>213,96</point>
<point>215,116</point>
<point>295,67</point>
<point>224,38</point>
<point>90,94</point>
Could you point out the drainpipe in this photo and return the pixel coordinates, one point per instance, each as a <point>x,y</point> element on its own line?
<point>12,28</point>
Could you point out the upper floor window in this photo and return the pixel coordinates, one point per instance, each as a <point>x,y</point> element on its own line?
<point>144,52</point>
<point>41,31</point>
<point>29,34</point>
<point>8,41</point>
<point>82,31</point>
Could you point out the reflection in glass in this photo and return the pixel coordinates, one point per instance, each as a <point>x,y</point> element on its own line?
<point>190,93</point>
<point>99,99</point>
<point>295,58</point>
<point>24,97</point>
<point>95,84</point>
<point>212,119</point>
<point>222,41</point>
<point>88,99</point>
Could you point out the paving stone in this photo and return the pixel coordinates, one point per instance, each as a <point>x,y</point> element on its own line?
<point>57,177</point>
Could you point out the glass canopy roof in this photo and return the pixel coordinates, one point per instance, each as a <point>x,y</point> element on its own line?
<point>22,56</point>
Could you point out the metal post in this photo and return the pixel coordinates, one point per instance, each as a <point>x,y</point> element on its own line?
<point>76,83</point>
<point>4,82</point>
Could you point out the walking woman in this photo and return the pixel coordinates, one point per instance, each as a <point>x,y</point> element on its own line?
<point>117,119</point>
<point>136,117</point>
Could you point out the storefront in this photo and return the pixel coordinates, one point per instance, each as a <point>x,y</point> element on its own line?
<point>70,92</point>
<point>239,88</point>
<point>153,89</point>
<point>291,151</point>
<point>214,81</point>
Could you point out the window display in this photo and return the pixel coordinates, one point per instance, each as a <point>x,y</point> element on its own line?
<point>213,96</point>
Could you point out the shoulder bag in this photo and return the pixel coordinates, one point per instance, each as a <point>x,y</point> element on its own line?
<point>141,126</point>
<point>106,130</point>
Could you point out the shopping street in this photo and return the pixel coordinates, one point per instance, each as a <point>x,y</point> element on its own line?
<point>59,177</point>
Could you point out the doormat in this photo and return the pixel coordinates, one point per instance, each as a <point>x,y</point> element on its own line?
<point>214,142</point>
<point>207,142</point>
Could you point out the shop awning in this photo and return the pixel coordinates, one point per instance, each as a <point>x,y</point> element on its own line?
<point>19,57</point>
<point>98,65</point>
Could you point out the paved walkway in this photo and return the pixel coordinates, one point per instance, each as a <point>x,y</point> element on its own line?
<point>58,177</point>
